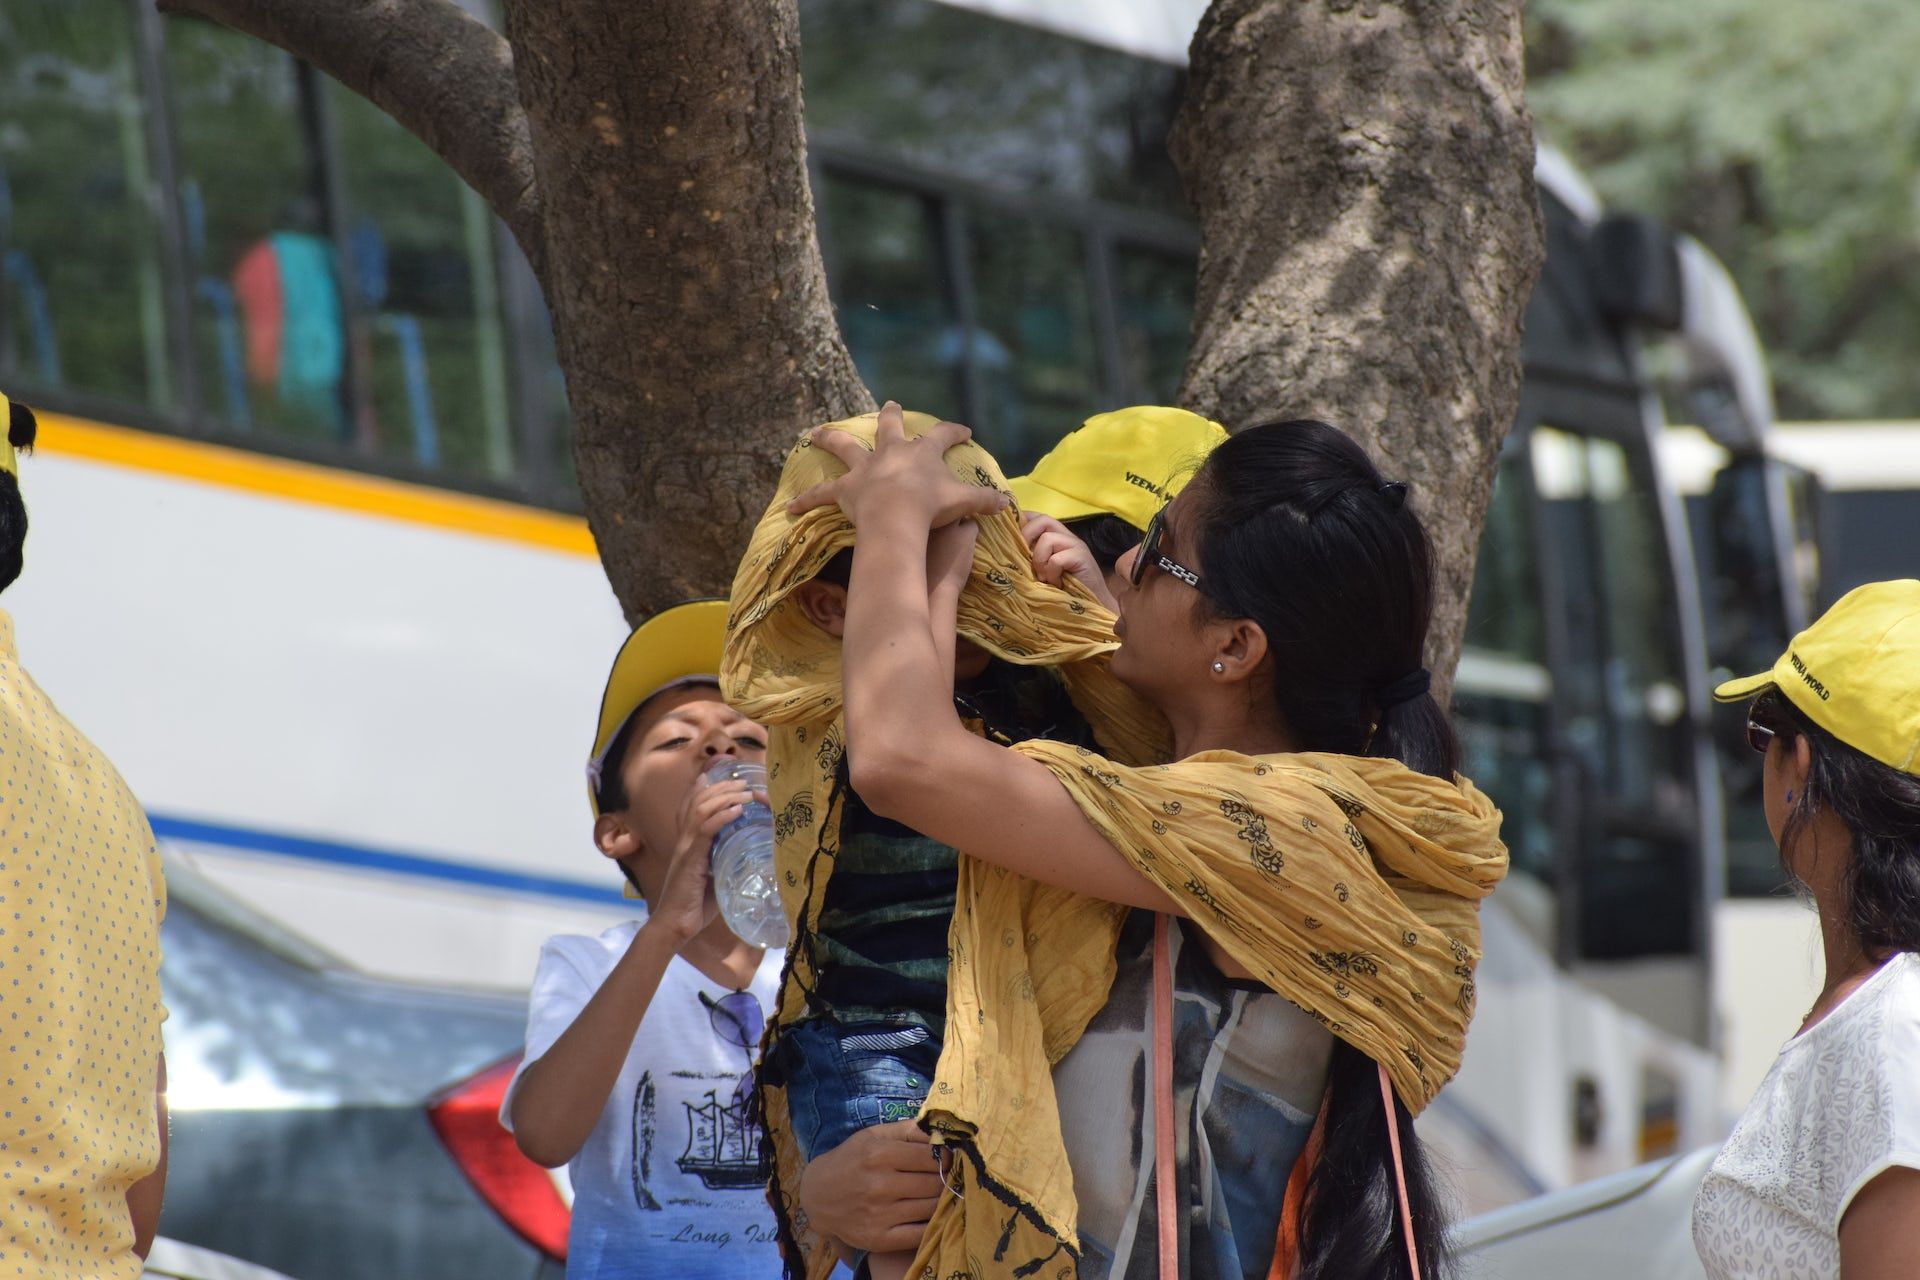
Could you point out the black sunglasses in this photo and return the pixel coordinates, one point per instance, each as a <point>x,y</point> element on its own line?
<point>1759,737</point>
<point>1149,553</point>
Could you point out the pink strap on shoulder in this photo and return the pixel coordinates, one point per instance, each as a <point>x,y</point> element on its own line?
<point>1166,1204</point>
<point>1399,1169</point>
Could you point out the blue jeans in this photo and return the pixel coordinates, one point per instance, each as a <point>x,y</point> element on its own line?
<point>842,1078</point>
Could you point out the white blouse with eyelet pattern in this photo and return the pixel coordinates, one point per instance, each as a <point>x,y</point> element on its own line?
<point>1840,1106</point>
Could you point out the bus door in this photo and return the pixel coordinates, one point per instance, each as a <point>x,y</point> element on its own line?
<point>1757,542</point>
<point>1574,718</point>
<point>1628,812</point>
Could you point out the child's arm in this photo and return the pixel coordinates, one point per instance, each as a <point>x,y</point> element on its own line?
<point>1058,555</point>
<point>559,1096</point>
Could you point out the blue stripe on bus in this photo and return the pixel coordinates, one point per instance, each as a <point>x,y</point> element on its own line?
<point>360,857</point>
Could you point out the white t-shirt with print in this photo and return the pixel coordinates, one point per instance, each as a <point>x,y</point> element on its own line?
<point>669,1182</point>
<point>1840,1106</point>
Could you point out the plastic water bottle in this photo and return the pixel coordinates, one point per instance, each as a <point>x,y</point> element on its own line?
<point>743,876</point>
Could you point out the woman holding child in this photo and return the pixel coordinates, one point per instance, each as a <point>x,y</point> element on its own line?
<point>1322,860</point>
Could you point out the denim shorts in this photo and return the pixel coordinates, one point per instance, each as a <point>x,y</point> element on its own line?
<point>842,1078</point>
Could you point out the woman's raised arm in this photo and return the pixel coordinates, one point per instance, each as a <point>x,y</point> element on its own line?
<point>909,756</point>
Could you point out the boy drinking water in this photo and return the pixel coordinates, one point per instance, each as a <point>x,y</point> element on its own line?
<point>640,1042</point>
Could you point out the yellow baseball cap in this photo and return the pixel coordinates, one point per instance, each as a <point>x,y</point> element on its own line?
<point>674,647</point>
<point>1856,673</point>
<point>1127,463</point>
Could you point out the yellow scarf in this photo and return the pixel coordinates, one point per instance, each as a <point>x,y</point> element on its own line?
<point>1350,885</point>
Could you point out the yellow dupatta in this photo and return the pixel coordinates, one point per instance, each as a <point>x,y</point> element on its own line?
<point>1350,885</point>
<point>782,670</point>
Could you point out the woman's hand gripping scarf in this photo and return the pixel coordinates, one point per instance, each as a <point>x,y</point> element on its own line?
<point>1349,885</point>
<point>782,670</point>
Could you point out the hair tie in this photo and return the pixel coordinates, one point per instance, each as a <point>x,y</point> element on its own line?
<point>1395,492</point>
<point>1414,684</point>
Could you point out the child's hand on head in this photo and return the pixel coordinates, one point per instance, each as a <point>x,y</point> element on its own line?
<point>686,903</point>
<point>1058,555</point>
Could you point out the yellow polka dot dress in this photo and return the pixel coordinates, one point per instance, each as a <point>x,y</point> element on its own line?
<point>81,899</point>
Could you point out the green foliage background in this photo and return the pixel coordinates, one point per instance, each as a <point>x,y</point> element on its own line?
<point>1784,135</point>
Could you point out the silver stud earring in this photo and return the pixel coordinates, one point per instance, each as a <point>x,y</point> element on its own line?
<point>1219,668</point>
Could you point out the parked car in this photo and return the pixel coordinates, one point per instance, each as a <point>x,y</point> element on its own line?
<point>328,1124</point>
<point>1636,1223</point>
<point>171,1260</point>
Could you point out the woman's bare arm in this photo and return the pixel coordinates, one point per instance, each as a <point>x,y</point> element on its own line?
<point>1880,1234</point>
<point>912,760</point>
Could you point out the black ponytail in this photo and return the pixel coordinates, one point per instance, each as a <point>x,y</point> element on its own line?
<point>1879,806</point>
<point>1299,533</point>
<point>1350,1222</point>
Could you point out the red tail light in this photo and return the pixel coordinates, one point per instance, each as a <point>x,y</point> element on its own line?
<point>467,1118</point>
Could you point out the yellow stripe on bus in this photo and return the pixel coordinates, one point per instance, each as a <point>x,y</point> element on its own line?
<point>304,482</point>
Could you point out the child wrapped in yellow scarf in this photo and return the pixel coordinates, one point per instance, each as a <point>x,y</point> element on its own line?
<point>1348,883</point>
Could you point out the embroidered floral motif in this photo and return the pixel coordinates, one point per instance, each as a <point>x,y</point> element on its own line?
<point>1253,830</point>
<point>795,818</point>
<point>1357,964</point>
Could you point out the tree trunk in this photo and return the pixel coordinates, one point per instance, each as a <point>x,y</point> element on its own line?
<point>688,296</point>
<point>1363,175</point>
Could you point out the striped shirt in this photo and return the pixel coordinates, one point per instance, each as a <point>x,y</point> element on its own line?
<point>882,937</point>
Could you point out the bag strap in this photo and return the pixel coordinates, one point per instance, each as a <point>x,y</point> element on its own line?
<point>1165,1202</point>
<point>1399,1170</point>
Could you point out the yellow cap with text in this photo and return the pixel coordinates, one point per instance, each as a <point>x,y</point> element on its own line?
<point>1856,673</point>
<point>1127,463</point>
<point>674,647</point>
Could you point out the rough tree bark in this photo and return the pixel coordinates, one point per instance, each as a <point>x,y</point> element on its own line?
<point>684,274</point>
<point>1361,171</point>
<point>1363,175</point>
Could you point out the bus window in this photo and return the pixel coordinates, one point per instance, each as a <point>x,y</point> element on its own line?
<point>895,302</point>
<point>1034,359</point>
<point>1620,697</point>
<point>425,300</point>
<point>80,276</point>
<point>1500,700</point>
<point>1155,305</point>
<point>268,340</point>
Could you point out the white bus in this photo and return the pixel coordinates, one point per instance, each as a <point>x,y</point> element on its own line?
<point>306,560</point>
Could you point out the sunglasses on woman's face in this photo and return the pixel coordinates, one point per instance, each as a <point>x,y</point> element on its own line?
<point>1149,553</point>
<point>1759,737</point>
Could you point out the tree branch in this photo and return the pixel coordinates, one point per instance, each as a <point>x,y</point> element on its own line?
<point>441,73</point>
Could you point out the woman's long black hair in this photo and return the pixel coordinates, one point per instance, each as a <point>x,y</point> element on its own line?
<point>1879,806</point>
<point>1298,531</point>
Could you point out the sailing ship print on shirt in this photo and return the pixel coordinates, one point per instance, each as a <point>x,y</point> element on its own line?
<point>723,1138</point>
